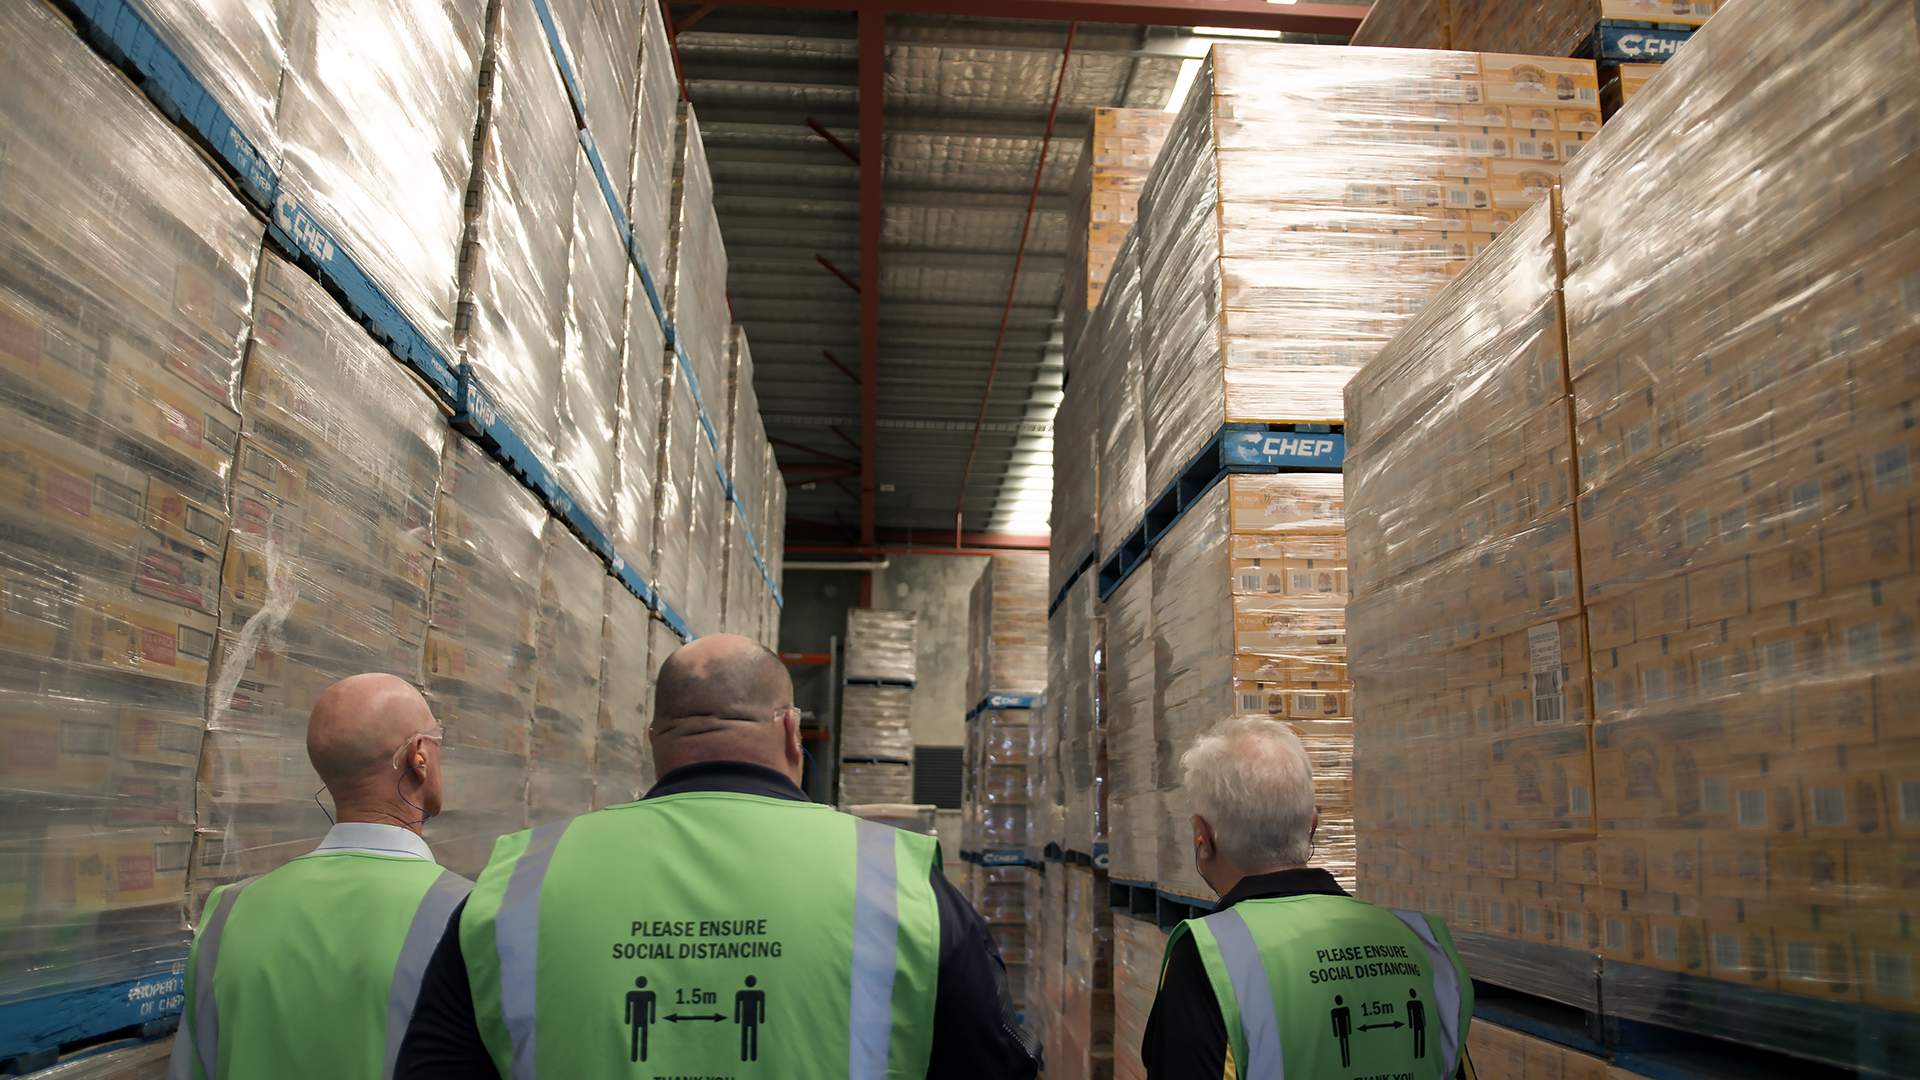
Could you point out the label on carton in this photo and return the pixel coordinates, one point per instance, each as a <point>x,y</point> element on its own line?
<point>1545,665</point>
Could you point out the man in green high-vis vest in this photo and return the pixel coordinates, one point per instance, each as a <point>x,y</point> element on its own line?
<point>311,971</point>
<point>723,926</point>
<point>1290,976</point>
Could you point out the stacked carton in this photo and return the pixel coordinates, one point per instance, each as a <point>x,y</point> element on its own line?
<point>1114,163</point>
<point>1468,644</point>
<point>1084,1050</point>
<point>1249,592</point>
<point>1046,960</point>
<point>743,608</point>
<point>1121,449</point>
<point>1076,698</point>
<point>997,802</point>
<point>1735,525</point>
<point>1133,800</point>
<point>1500,1053</point>
<point>1267,282</point>
<point>567,669</point>
<point>482,649</point>
<point>123,309</point>
<point>1138,947</point>
<point>326,569</point>
<point>623,759</point>
<point>1007,620</point>
<point>876,707</point>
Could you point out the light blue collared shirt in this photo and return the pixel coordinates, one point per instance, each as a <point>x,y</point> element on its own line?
<point>376,839</point>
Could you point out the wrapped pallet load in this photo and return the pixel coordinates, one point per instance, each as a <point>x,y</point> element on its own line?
<point>514,262</point>
<point>378,147</point>
<point>124,308</point>
<point>623,759</point>
<point>876,707</point>
<point>587,398</point>
<point>745,534</point>
<point>566,700</point>
<point>1713,471</point>
<point>481,650</point>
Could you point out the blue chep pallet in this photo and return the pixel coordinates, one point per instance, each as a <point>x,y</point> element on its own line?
<point>1002,701</point>
<point>998,857</point>
<point>1074,578</point>
<point>33,1030</point>
<point>1235,448</point>
<point>125,39</point>
<point>1136,899</point>
<point>1624,41</point>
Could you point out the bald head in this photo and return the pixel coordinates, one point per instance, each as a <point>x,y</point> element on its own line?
<point>358,723</point>
<point>725,697</point>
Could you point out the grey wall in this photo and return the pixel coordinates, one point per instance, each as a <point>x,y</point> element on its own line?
<point>937,587</point>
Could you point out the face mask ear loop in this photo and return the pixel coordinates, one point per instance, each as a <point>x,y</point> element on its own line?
<point>323,806</point>
<point>424,816</point>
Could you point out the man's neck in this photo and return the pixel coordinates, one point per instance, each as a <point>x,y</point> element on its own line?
<point>378,816</point>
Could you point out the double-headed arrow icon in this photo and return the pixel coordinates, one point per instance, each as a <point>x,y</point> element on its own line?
<point>716,1018</point>
<point>1363,1027</point>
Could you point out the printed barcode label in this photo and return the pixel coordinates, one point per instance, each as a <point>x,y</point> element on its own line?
<point>1543,648</point>
<point>1588,93</point>
<point>1703,9</point>
<point>1251,703</point>
<point>1249,582</point>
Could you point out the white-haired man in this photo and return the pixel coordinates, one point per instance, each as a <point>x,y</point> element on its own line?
<point>1291,976</point>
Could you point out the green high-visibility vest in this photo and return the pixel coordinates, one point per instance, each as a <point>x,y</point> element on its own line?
<point>706,934</point>
<point>312,970</point>
<point>1331,986</point>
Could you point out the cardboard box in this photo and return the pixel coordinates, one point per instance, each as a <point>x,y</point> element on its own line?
<point>1534,80</point>
<point>118,628</point>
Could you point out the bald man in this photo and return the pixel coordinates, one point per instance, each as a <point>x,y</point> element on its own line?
<point>312,970</point>
<point>724,925</point>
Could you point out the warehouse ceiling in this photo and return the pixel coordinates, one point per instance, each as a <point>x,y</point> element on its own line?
<point>967,103</point>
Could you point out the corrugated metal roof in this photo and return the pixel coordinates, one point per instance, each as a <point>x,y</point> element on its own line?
<point>966,110</point>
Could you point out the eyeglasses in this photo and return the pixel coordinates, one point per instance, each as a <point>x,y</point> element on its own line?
<point>436,733</point>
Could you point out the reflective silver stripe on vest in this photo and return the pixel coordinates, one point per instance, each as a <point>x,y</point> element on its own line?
<point>516,937</point>
<point>423,936</point>
<point>1446,987</point>
<point>876,935</point>
<point>200,1028</point>
<point>1247,971</point>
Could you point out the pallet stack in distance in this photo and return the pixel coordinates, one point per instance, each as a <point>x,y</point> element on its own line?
<point>876,708</point>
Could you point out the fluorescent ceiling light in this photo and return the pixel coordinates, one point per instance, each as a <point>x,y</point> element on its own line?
<point>1183,83</point>
<point>1235,31</point>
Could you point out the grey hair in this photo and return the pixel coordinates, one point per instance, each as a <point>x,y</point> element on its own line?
<point>1250,778</point>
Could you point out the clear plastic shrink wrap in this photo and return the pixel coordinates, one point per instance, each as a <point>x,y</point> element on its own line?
<point>1468,652</point>
<point>566,699</point>
<point>695,292</point>
<point>124,302</point>
<point>1008,621</point>
<point>1077,694</point>
<point>1046,782</point>
<point>776,544</point>
<point>1133,815</point>
<point>236,49</point>
<point>1249,592</point>
<point>1046,960</point>
<point>1744,392</point>
<point>706,544</point>
<point>653,157</point>
<point>602,42</point>
<point>622,758</point>
<point>999,767</point>
<point>1308,203</point>
<point>876,722</point>
<point>1122,471</point>
<point>327,565</point>
<point>1501,1053</point>
<point>680,437</point>
<point>1086,1008</point>
<point>875,782</point>
<point>742,610</point>
<point>514,262</point>
<point>376,124</point>
<point>880,644</point>
<point>637,433</point>
<point>1114,163</point>
<point>587,405</point>
<point>1138,948</point>
<point>1000,896</point>
<point>482,650</point>
<point>1074,515</point>
<point>1513,26</point>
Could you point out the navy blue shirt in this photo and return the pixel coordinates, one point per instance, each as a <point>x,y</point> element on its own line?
<point>975,1034</point>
